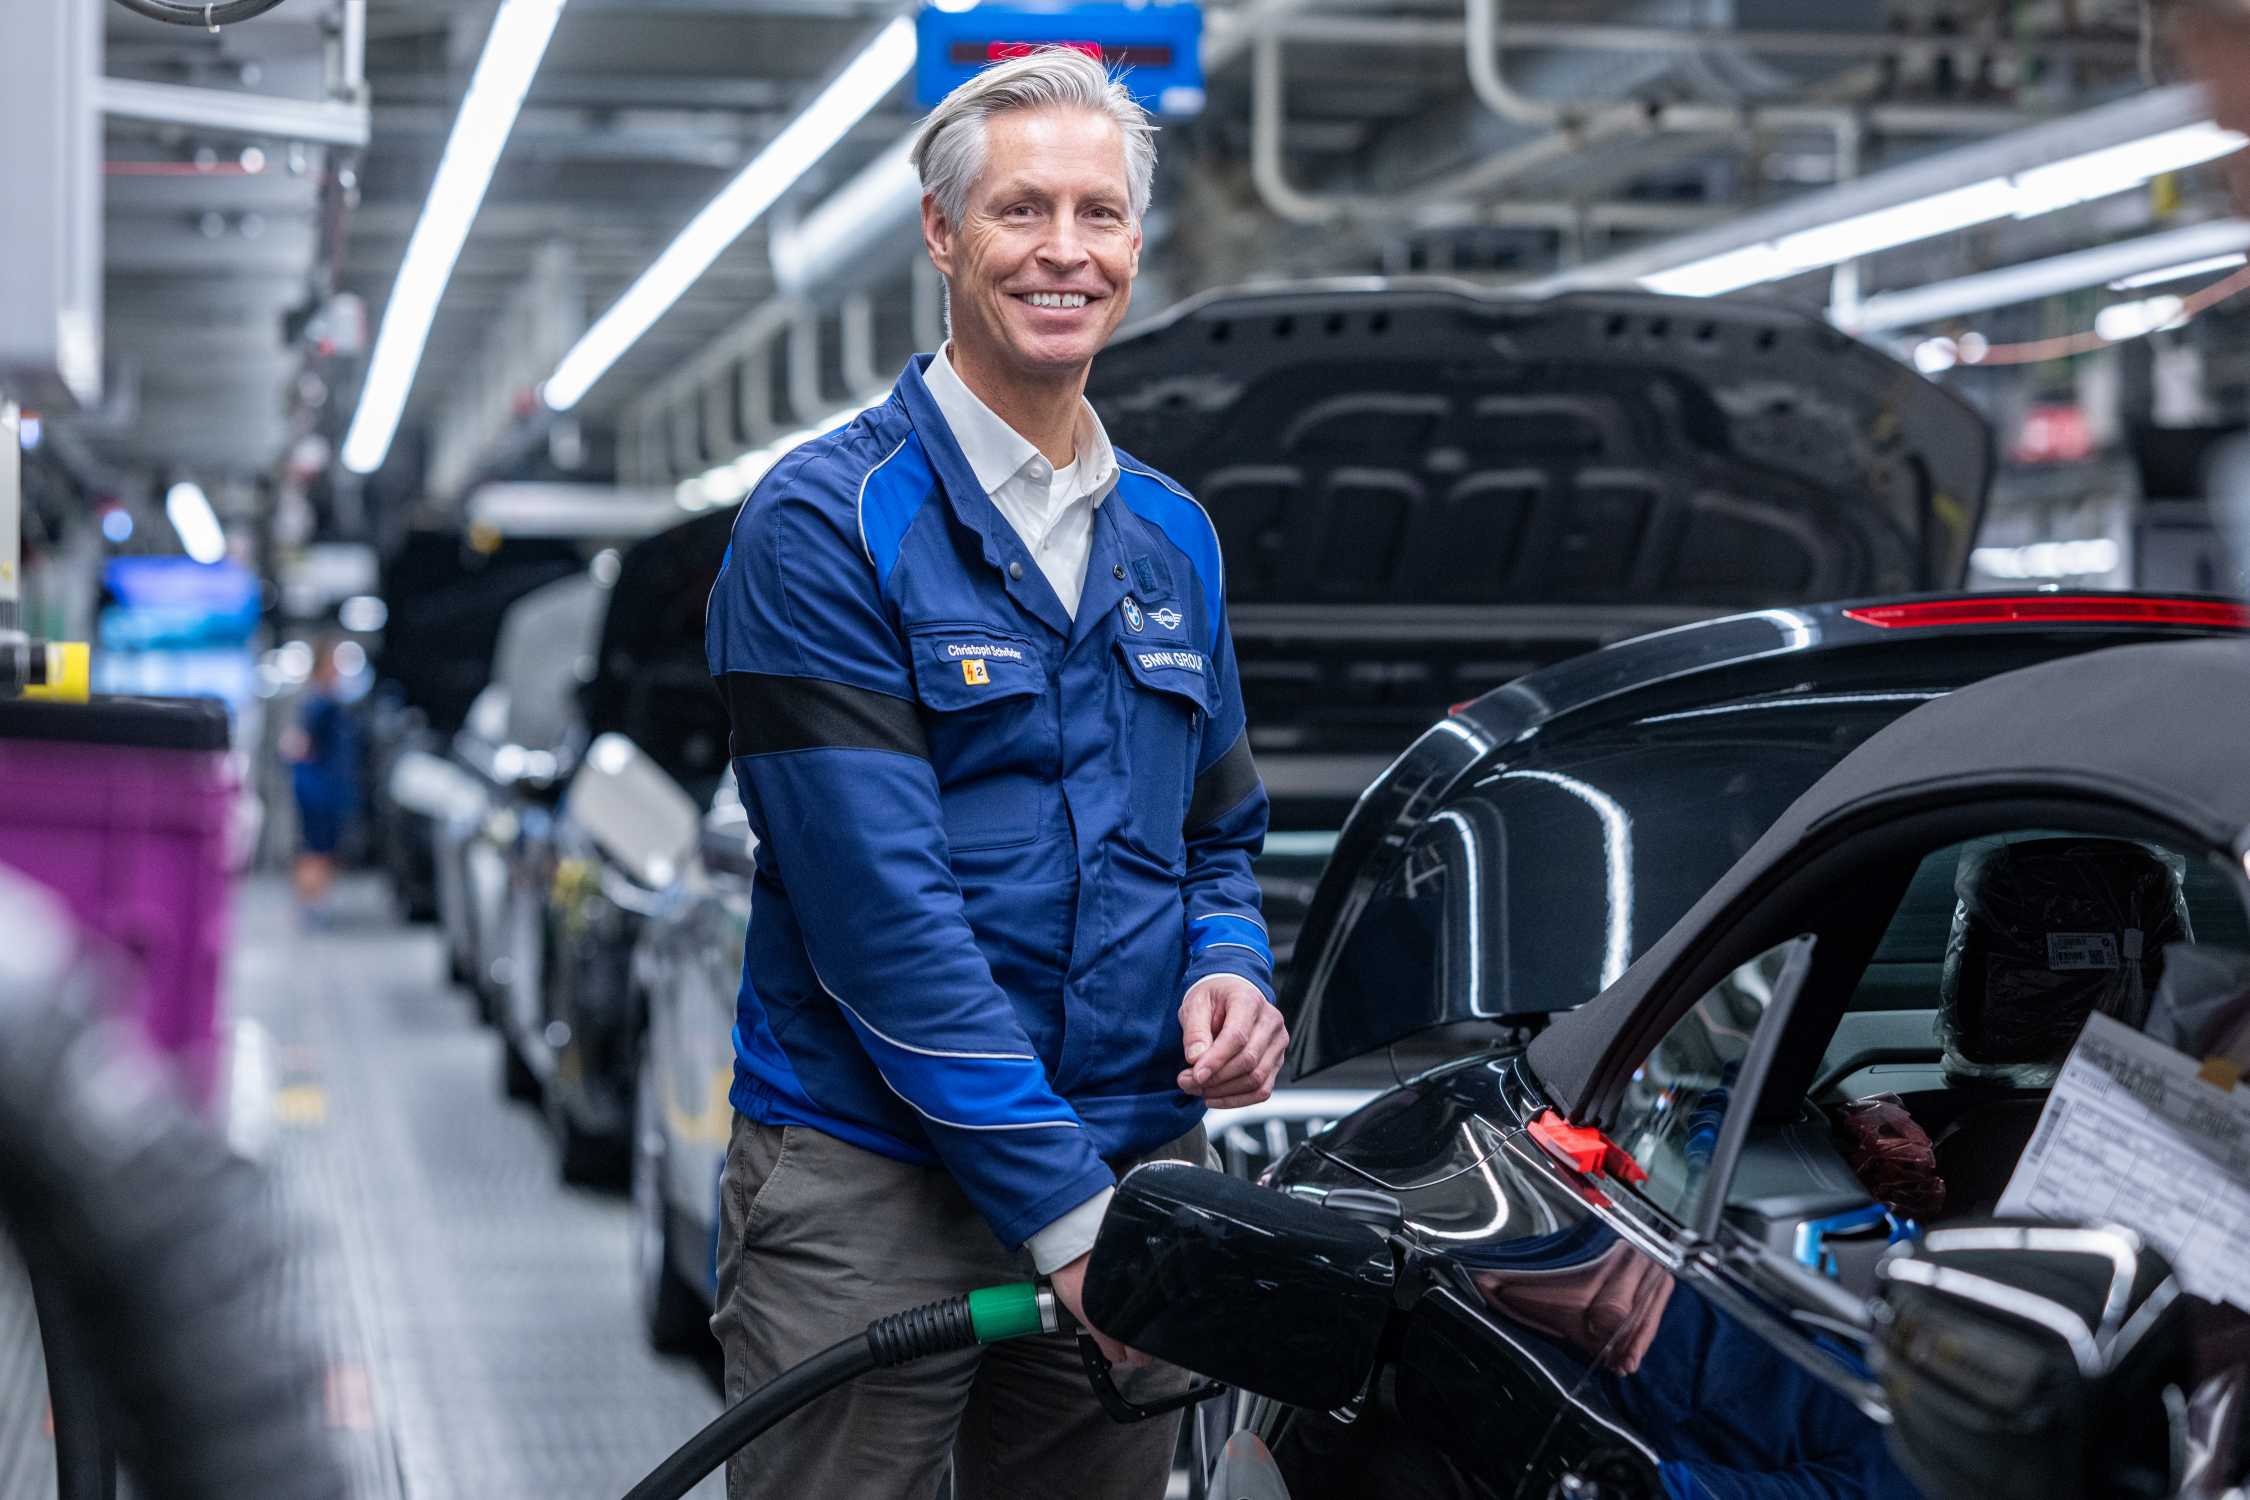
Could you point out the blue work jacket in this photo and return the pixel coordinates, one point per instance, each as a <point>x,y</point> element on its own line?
<point>996,845</point>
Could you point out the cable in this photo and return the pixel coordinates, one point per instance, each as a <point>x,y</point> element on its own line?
<point>210,17</point>
<point>2065,346</point>
<point>984,1316</point>
<point>740,1423</point>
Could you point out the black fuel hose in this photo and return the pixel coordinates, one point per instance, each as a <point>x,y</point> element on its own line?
<point>183,13</point>
<point>984,1316</point>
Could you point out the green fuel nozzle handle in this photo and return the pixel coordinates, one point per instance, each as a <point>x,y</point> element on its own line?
<point>985,1316</point>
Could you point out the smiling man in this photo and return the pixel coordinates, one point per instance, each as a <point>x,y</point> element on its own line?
<point>1004,940</point>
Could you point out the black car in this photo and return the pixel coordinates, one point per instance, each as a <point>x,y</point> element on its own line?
<point>1757,945</point>
<point>446,598</point>
<point>584,877</point>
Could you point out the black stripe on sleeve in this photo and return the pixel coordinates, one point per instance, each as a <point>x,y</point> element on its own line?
<point>1229,779</point>
<point>771,714</point>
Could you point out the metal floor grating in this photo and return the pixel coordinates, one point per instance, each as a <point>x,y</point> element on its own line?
<point>486,1336</point>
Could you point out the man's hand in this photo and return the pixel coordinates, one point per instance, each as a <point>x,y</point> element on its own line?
<point>1234,1039</point>
<point>1069,1283</point>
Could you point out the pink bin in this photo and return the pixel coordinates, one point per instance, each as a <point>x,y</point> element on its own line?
<point>121,806</point>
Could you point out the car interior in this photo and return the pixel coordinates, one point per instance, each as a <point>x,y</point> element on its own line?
<point>1933,1074</point>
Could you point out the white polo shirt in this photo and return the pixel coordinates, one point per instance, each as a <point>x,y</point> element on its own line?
<point>1051,509</point>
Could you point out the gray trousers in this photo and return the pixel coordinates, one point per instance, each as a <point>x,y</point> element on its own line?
<point>816,1240</point>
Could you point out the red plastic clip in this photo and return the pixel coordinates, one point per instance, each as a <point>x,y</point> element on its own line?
<point>1584,1148</point>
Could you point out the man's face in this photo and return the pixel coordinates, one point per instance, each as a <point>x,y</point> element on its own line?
<point>1041,266</point>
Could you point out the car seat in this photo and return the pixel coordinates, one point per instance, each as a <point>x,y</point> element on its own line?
<point>2046,931</point>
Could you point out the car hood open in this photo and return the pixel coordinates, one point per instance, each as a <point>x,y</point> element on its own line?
<point>1423,489</point>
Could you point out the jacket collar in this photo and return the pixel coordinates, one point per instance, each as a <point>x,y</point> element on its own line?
<point>974,509</point>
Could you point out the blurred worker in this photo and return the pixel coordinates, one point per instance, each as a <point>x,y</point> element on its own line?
<point>1006,943</point>
<point>2209,41</point>
<point>323,751</point>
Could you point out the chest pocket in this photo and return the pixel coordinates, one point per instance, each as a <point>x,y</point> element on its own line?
<point>1167,693</point>
<point>990,725</point>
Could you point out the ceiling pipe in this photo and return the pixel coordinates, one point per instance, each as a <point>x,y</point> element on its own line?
<point>718,416</point>
<point>856,322</point>
<point>1632,117</point>
<point>2132,118</point>
<point>1569,130</point>
<point>355,49</point>
<point>232,113</point>
<point>685,447</point>
<point>801,363</point>
<point>1604,36</point>
<point>929,303</point>
<point>1449,200</point>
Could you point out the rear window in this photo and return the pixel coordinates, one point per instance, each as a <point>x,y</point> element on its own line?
<point>1534,890</point>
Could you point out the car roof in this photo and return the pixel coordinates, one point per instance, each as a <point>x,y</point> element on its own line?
<point>2162,730</point>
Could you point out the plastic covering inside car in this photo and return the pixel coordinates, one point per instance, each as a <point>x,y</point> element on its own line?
<point>2047,931</point>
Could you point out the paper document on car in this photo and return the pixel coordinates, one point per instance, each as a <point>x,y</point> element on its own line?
<point>2131,1135</point>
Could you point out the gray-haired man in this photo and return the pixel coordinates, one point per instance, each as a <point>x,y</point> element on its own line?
<point>1004,941</point>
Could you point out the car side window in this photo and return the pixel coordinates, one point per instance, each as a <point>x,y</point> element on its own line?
<point>1679,1097</point>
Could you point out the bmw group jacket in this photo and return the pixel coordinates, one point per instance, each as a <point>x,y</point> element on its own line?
<point>995,845</point>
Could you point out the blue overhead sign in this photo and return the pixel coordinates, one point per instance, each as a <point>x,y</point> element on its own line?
<point>1157,50</point>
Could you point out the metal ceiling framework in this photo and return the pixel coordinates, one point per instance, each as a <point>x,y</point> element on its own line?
<point>1337,138</point>
<point>225,154</point>
<point>1524,102</point>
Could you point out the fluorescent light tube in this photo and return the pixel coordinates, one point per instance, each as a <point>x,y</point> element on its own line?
<point>1887,228</point>
<point>2181,272</point>
<point>1720,273</point>
<point>2038,190</point>
<point>189,511</point>
<point>512,51</point>
<point>866,79</point>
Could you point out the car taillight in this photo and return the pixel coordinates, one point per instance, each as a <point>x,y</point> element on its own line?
<point>2055,609</point>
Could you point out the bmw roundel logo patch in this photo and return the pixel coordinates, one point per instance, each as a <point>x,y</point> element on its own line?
<point>1135,621</point>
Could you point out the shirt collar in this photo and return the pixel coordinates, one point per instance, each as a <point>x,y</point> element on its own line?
<point>997,452</point>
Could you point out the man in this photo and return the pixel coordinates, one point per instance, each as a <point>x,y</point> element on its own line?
<point>322,750</point>
<point>1004,941</point>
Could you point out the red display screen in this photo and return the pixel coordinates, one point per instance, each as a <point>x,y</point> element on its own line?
<point>970,54</point>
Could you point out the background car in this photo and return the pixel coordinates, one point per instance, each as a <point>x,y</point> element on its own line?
<point>688,969</point>
<point>518,742</point>
<point>1629,824</point>
<point>584,874</point>
<point>446,598</point>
